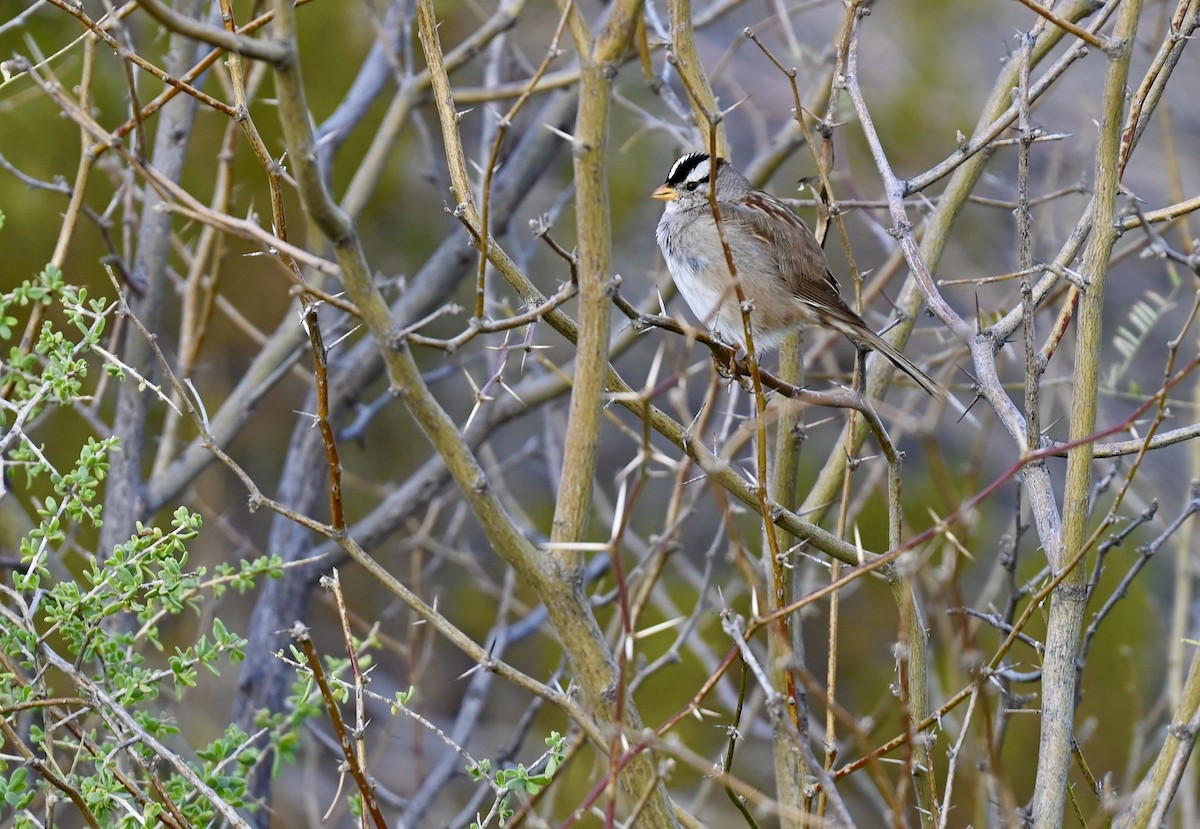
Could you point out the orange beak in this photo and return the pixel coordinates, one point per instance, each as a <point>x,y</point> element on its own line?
<point>665,193</point>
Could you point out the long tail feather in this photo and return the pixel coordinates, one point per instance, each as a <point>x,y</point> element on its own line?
<point>877,343</point>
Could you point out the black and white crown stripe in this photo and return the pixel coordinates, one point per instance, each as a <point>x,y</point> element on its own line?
<point>692,170</point>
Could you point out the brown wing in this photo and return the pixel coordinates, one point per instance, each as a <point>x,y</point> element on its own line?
<point>802,266</point>
<point>800,262</point>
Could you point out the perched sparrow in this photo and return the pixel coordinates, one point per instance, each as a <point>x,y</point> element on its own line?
<point>783,271</point>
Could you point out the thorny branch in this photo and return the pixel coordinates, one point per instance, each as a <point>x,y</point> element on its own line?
<point>673,481</point>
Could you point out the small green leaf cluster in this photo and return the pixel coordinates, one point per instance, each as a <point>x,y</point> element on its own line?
<point>80,675</point>
<point>305,701</point>
<point>53,370</point>
<point>519,780</point>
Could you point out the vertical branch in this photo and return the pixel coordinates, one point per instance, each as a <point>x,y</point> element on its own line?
<point>320,356</point>
<point>913,680</point>
<point>599,60</point>
<point>199,295</point>
<point>791,760</point>
<point>125,498</point>
<point>71,217</point>
<point>312,325</point>
<point>1068,601</point>
<point>598,64</point>
<point>1183,680</point>
<point>489,171</point>
<point>347,737</point>
<point>1034,364</point>
<point>785,648</point>
<point>835,605</point>
<point>686,60</point>
<point>1150,800</point>
<point>554,574</point>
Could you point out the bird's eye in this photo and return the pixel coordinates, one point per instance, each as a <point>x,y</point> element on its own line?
<point>691,185</point>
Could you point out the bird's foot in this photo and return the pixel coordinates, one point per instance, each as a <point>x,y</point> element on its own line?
<point>726,365</point>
